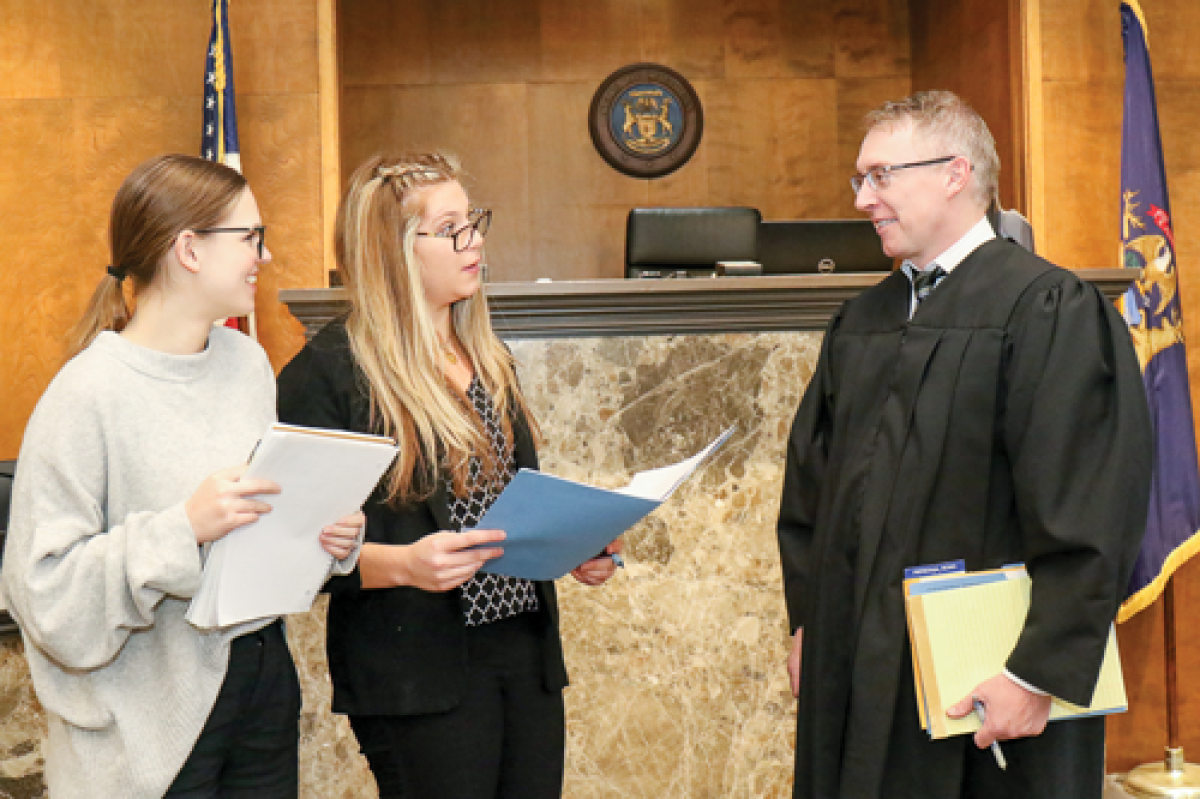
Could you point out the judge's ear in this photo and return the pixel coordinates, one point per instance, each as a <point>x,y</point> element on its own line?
<point>958,176</point>
<point>184,250</point>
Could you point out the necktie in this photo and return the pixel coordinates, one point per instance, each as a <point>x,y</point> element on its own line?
<point>923,282</point>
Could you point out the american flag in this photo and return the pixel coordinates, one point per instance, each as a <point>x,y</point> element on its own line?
<point>219,141</point>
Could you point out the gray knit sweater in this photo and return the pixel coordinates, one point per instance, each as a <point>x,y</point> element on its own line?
<point>101,559</point>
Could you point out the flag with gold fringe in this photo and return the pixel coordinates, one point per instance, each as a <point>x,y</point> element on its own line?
<point>1152,308</point>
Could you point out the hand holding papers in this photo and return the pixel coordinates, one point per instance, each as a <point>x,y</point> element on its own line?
<point>276,565</point>
<point>553,524</point>
<point>963,626</point>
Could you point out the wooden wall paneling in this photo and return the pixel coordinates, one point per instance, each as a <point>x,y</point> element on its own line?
<point>1083,169</point>
<point>274,46</point>
<point>1173,27</point>
<point>578,202</point>
<point>1032,106</point>
<point>873,38</point>
<point>134,48</point>
<point>686,35</point>
<point>779,39</point>
<point>804,181</point>
<point>741,143</point>
<point>1081,40</point>
<point>29,41</point>
<point>381,43</point>
<point>856,97</point>
<point>478,41</point>
<point>281,157</point>
<point>1179,115</point>
<point>329,97</point>
<point>43,244</point>
<point>1139,735</point>
<point>588,41</point>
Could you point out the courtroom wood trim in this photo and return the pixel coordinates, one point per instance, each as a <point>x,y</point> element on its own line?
<point>1033,161</point>
<point>329,82</point>
<point>659,307</point>
<point>1020,107</point>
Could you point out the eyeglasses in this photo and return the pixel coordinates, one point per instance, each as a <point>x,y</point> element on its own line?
<point>880,177</point>
<point>258,235</point>
<point>464,237</point>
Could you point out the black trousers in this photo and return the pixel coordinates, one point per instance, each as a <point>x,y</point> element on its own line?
<point>249,746</point>
<point>504,740</point>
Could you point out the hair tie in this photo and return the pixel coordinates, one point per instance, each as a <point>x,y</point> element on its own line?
<point>116,272</point>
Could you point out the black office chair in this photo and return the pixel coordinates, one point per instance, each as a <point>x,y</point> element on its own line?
<point>1011,225</point>
<point>687,242</point>
<point>7,468</point>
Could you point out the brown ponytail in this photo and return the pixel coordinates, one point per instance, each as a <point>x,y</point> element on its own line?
<point>160,199</point>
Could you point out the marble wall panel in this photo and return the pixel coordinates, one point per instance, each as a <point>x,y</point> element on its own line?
<point>678,686</point>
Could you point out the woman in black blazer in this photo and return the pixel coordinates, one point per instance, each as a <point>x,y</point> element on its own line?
<point>452,680</point>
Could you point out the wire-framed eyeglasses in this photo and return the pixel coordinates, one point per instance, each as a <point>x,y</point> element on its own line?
<point>257,235</point>
<point>880,177</point>
<point>479,220</point>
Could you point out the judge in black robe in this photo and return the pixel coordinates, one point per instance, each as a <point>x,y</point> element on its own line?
<point>1004,422</point>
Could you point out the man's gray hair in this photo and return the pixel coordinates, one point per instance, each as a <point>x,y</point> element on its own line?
<point>945,120</point>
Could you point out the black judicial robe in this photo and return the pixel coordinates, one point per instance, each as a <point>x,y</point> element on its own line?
<point>1006,422</point>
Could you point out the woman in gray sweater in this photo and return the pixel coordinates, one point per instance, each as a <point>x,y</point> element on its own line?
<point>128,465</point>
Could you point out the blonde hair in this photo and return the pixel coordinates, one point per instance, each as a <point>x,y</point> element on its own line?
<point>946,120</point>
<point>160,199</point>
<point>392,334</point>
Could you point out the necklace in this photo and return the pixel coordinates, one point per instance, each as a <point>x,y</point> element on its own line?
<point>448,349</point>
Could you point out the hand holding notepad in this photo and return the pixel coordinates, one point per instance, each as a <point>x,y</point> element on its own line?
<point>963,627</point>
<point>276,565</point>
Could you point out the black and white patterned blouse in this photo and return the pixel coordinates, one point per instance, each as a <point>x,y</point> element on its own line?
<point>490,597</point>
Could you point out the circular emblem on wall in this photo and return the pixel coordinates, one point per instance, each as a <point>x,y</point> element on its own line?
<point>646,120</point>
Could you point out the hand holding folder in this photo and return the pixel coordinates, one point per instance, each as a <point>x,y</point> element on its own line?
<point>553,524</point>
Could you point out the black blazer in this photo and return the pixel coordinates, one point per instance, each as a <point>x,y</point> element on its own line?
<point>394,651</point>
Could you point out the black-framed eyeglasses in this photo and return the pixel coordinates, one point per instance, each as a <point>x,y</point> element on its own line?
<point>464,237</point>
<point>258,236</point>
<point>880,177</point>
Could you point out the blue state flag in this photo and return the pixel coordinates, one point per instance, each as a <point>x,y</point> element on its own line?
<point>1152,308</point>
<point>220,140</point>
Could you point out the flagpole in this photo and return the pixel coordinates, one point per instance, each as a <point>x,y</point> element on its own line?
<point>1174,776</point>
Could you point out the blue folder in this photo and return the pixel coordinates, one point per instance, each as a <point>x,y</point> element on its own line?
<point>554,525</point>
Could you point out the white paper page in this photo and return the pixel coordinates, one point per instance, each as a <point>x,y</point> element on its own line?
<point>658,484</point>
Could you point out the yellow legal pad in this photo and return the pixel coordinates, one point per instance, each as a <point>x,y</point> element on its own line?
<point>963,633</point>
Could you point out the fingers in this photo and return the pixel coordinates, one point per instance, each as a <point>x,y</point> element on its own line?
<point>961,708</point>
<point>471,538</point>
<point>245,488</point>
<point>794,660</point>
<point>594,572</point>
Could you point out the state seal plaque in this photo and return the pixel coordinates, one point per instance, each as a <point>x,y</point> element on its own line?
<point>646,120</point>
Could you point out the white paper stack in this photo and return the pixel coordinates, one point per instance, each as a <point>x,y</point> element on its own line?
<point>276,565</point>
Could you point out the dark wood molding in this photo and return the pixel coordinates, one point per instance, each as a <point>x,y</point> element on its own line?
<point>659,307</point>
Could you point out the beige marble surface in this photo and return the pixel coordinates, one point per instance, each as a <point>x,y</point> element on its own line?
<point>677,665</point>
